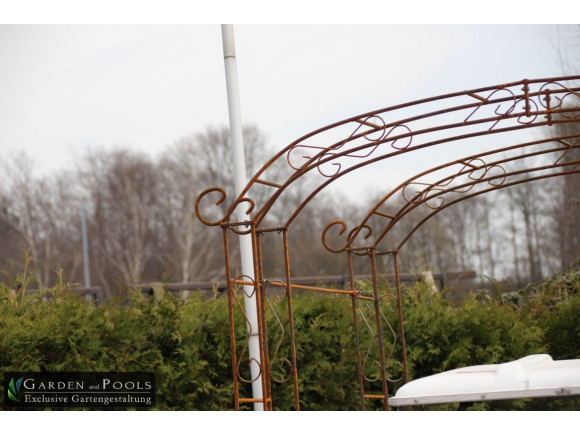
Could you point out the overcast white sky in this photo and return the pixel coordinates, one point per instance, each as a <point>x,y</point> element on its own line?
<point>65,88</point>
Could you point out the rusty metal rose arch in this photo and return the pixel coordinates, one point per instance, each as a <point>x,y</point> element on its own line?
<point>344,147</point>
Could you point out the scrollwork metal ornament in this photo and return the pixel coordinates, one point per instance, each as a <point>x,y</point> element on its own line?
<point>224,220</point>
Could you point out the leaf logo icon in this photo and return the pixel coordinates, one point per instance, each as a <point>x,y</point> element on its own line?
<point>13,389</point>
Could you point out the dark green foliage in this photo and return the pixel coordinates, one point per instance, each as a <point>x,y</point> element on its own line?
<point>185,342</point>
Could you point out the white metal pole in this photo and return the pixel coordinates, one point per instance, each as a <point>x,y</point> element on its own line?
<point>239,185</point>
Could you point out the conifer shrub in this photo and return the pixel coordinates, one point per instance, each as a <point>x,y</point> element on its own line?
<point>186,343</point>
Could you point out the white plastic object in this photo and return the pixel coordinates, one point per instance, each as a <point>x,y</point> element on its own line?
<point>531,376</point>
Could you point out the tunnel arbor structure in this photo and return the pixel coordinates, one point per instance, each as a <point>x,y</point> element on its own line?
<point>452,124</point>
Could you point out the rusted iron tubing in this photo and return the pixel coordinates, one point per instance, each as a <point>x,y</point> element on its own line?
<point>331,150</point>
<point>365,298</point>
<point>371,114</point>
<point>319,279</point>
<point>355,232</point>
<point>401,122</point>
<point>271,230</point>
<point>424,198</point>
<point>473,168</point>
<point>526,90</point>
<point>475,182</point>
<point>548,107</point>
<point>390,277</point>
<point>291,321</point>
<point>320,161</point>
<point>397,107</point>
<point>497,163</point>
<point>242,400</point>
<point>410,205</point>
<point>267,183</point>
<point>359,368</point>
<point>416,227</point>
<point>246,345</point>
<point>407,208</point>
<point>400,314</point>
<point>262,331</point>
<point>231,321</point>
<point>305,287</point>
<point>264,307</point>
<point>335,155</point>
<point>302,287</point>
<point>562,90</point>
<point>234,224</point>
<point>382,361</point>
<point>380,253</point>
<point>260,215</point>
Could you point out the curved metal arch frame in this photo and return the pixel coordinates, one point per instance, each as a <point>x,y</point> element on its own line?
<point>438,189</point>
<point>575,170</point>
<point>551,101</point>
<point>539,98</point>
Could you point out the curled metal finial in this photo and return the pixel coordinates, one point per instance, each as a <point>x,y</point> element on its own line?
<point>351,235</point>
<point>340,233</point>
<point>223,197</point>
<point>356,230</point>
<point>246,224</point>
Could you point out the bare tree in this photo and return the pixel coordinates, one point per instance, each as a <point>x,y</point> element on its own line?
<point>189,246</point>
<point>191,165</point>
<point>122,194</point>
<point>38,209</point>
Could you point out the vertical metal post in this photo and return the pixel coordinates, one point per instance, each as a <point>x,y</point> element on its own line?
<point>231,320</point>
<point>291,321</point>
<point>400,313</point>
<point>260,294</point>
<point>382,361</point>
<point>250,302</point>
<point>356,333</point>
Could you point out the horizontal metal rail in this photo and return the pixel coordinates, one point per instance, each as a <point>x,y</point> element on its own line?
<point>308,282</point>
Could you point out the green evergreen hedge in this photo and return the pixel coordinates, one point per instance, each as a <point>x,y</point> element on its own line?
<point>186,342</point>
